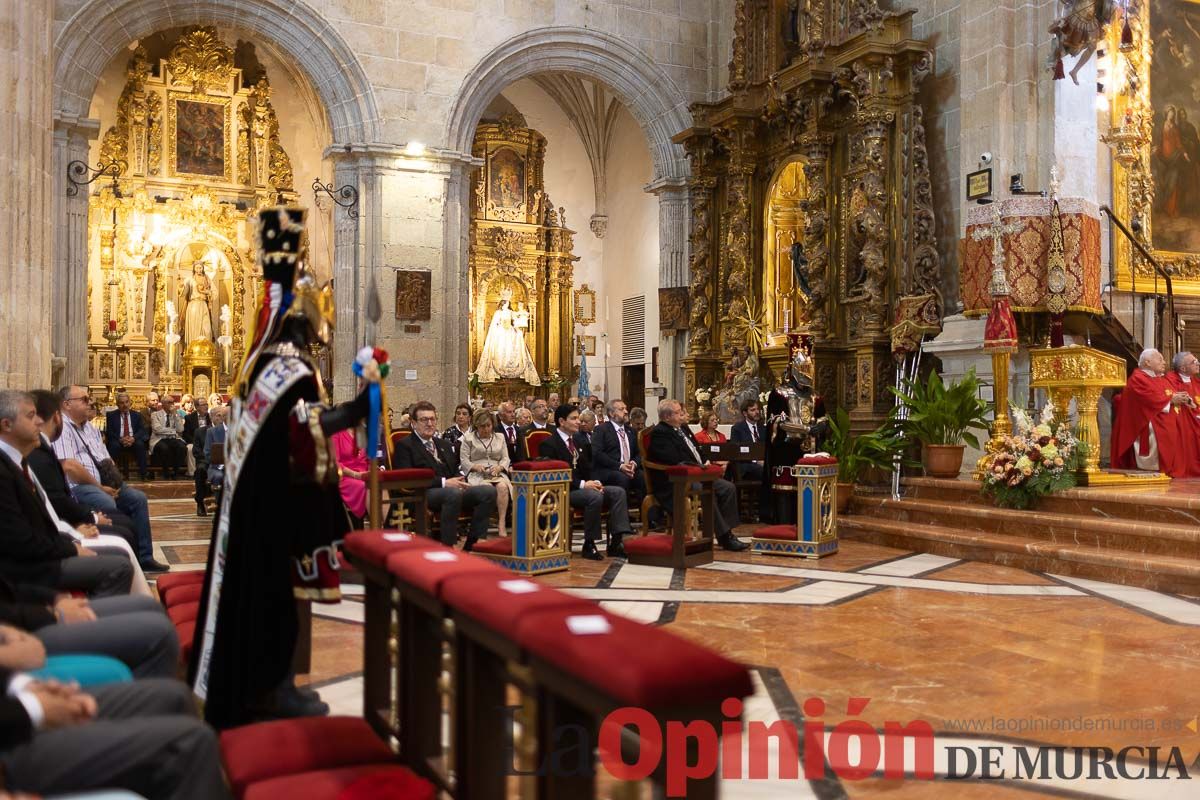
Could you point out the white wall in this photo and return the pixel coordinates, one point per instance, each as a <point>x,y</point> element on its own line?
<point>625,262</point>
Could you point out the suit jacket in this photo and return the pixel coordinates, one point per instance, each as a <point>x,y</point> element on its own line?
<point>410,453</point>
<point>49,471</point>
<point>514,446</point>
<point>741,432</point>
<point>26,607</point>
<point>554,447</point>
<point>137,427</point>
<point>668,448</point>
<point>31,548</point>
<point>16,727</point>
<point>191,424</point>
<point>606,447</point>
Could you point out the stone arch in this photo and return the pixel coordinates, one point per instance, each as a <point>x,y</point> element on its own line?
<point>100,29</point>
<point>645,88</point>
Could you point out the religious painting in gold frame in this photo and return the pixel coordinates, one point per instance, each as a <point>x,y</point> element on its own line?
<point>1153,135</point>
<point>587,345</point>
<point>506,179</point>
<point>198,131</point>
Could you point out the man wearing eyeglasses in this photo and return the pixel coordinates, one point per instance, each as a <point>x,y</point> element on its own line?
<point>95,480</point>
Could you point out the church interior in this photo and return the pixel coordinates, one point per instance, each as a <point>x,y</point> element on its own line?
<point>620,398</point>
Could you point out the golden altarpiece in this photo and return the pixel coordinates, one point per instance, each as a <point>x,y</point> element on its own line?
<point>520,259</point>
<point>821,143</point>
<point>171,275</point>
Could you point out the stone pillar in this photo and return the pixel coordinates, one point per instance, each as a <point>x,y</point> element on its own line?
<point>674,210</point>
<point>26,183</point>
<point>70,334</point>
<point>347,276</point>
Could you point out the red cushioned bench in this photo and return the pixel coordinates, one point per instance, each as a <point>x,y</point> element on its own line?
<point>316,758</point>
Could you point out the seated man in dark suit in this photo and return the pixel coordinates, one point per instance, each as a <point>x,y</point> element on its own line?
<point>671,444</point>
<point>507,425</point>
<point>32,550</point>
<point>615,457</point>
<point>590,495</point>
<point>141,736</point>
<point>49,471</point>
<point>126,431</point>
<point>751,430</point>
<point>541,422</point>
<point>449,492</point>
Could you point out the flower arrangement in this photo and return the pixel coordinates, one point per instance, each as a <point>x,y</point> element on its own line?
<point>704,394</point>
<point>1040,458</point>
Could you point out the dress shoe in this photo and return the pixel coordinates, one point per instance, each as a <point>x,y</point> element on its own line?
<point>154,566</point>
<point>616,548</point>
<point>732,543</point>
<point>201,511</point>
<point>591,553</point>
<point>468,545</point>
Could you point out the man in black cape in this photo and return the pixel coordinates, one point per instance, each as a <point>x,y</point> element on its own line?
<point>796,426</point>
<point>280,516</point>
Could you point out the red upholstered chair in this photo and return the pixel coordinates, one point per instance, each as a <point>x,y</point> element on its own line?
<point>186,631</point>
<point>533,440</point>
<point>266,750</point>
<point>687,544</point>
<point>184,612</point>
<point>187,593</point>
<point>407,486</point>
<point>171,580</point>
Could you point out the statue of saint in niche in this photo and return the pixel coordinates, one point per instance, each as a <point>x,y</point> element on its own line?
<point>505,354</point>
<point>197,298</point>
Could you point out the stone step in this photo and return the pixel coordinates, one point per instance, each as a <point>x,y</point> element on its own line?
<point>1149,571</point>
<point>1178,503</point>
<point>1161,538</point>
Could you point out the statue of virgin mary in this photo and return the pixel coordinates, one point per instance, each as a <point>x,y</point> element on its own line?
<point>505,354</point>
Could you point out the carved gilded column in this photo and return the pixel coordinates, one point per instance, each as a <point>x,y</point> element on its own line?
<point>736,247</point>
<point>737,63</point>
<point>876,235</point>
<point>816,148</point>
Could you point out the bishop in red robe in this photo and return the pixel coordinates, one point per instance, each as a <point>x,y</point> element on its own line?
<point>1185,377</point>
<point>1149,431</point>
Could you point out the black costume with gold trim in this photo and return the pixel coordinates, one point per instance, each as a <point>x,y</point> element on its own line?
<point>276,533</point>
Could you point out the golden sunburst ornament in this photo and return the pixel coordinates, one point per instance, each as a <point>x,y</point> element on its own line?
<point>752,321</point>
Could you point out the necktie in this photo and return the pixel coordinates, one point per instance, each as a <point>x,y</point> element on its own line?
<point>125,425</point>
<point>572,448</point>
<point>691,447</point>
<point>28,477</point>
<point>624,444</point>
<point>753,433</point>
<point>510,434</point>
<point>432,450</point>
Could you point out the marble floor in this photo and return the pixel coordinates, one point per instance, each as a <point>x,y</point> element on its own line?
<point>988,656</point>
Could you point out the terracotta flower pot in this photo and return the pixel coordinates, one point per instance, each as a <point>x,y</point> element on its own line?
<point>943,460</point>
<point>845,493</point>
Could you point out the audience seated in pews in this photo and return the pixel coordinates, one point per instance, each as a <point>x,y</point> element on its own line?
<point>197,440</point>
<point>449,493</point>
<point>587,425</point>
<point>32,548</point>
<point>153,403</point>
<point>524,418</point>
<point>637,418</point>
<point>95,480</point>
<point>672,444</point>
<point>587,494</point>
<point>167,449</point>
<point>215,436</point>
<point>552,401</point>
<point>353,467</point>
<point>126,432</point>
<point>75,521</point>
<point>709,434</point>
<point>615,457</point>
<point>195,420</point>
<point>483,455</point>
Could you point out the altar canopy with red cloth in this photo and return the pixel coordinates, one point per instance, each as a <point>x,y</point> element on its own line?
<point>1142,426</point>
<point>1026,253</point>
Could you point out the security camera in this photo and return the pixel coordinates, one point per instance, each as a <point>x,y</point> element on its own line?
<point>985,158</point>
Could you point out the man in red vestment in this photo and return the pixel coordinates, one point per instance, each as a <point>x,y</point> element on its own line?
<point>1149,432</point>
<point>1185,368</point>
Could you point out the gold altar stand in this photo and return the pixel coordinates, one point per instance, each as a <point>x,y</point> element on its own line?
<point>1080,373</point>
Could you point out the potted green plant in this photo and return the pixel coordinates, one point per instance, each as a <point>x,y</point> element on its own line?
<point>857,454</point>
<point>942,419</point>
